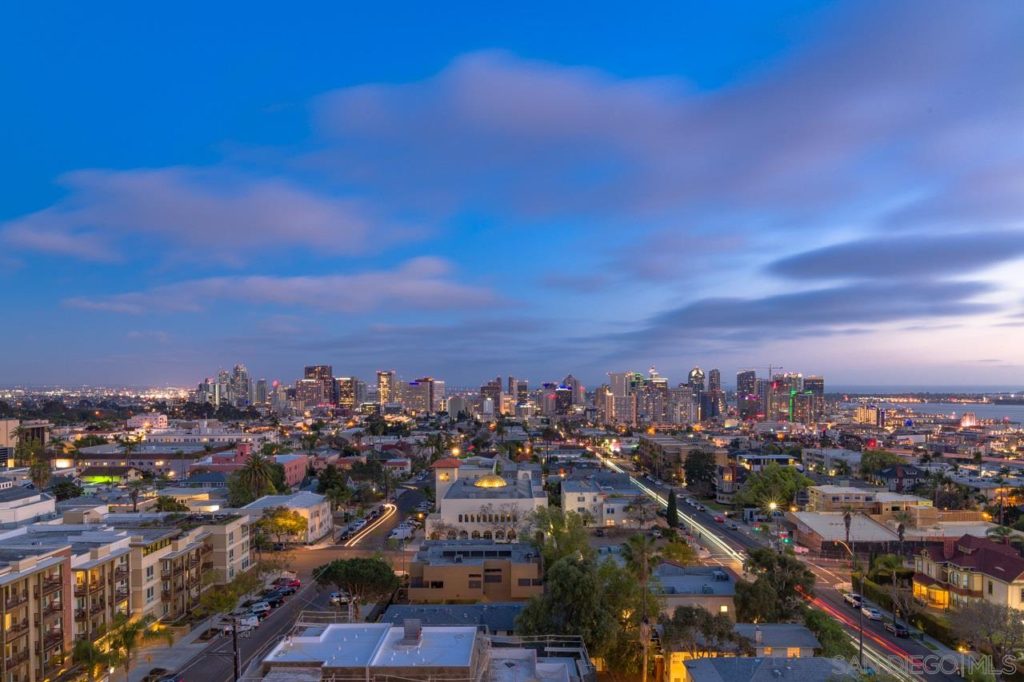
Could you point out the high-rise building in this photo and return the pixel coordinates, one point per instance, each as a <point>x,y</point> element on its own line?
<point>511,385</point>
<point>386,382</point>
<point>522,391</point>
<point>696,384</point>
<point>351,392</point>
<point>424,395</point>
<point>241,386</point>
<point>325,375</point>
<point>748,403</point>
<point>577,390</point>
<point>714,380</point>
<point>261,392</point>
<point>620,383</point>
<point>492,390</point>
<point>309,393</point>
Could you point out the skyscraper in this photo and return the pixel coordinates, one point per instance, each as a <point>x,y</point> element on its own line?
<point>386,387</point>
<point>492,390</point>
<point>747,400</point>
<point>325,375</point>
<point>261,392</point>
<point>351,392</point>
<point>241,386</point>
<point>696,384</point>
<point>714,380</point>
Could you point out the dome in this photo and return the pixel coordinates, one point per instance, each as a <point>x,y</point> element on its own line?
<point>490,481</point>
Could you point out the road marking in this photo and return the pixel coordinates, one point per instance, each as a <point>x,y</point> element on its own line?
<point>389,511</point>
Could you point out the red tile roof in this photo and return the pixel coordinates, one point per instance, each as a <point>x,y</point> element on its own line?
<point>982,555</point>
<point>446,463</point>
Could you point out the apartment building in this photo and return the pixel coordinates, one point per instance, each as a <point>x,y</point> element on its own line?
<point>604,498</point>
<point>474,571</point>
<point>100,568</point>
<point>20,506</point>
<point>831,498</point>
<point>35,585</point>
<point>969,568</point>
<point>313,507</point>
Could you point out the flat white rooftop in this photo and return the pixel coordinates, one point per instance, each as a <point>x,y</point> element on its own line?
<point>376,645</point>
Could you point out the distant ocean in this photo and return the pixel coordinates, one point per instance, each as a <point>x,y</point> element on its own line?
<point>903,390</point>
<point>1014,413</point>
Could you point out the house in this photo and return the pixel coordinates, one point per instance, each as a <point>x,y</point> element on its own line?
<point>295,467</point>
<point>900,477</point>
<point>314,508</point>
<point>475,570</point>
<point>765,640</point>
<point>710,587</point>
<point>768,669</point>
<point>969,568</point>
<point>602,497</point>
<point>831,498</point>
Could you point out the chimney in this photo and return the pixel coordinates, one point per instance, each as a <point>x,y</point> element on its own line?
<point>948,547</point>
<point>413,632</point>
<point>757,634</point>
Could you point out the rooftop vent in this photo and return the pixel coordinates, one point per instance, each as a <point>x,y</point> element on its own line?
<point>413,632</point>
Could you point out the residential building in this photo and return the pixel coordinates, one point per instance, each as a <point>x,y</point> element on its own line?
<point>767,670</point>
<point>21,506</point>
<point>709,587</point>
<point>490,618</point>
<point>295,467</point>
<point>602,498</point>
<point>831,498</point>
<point>831,461</point>
<point>763,640</point>
<point>378,652</point>
<point>36,586</point>
<point>969,568</point>
<point>148,421</point>
<point>314,508</point>
<point>475,570</point>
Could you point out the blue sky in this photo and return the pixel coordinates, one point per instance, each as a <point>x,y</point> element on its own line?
<point>466,191</point>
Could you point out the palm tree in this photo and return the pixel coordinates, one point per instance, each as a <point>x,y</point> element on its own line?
<point>134,488</point>
<point>999,533</point>
<point>338,495</point>
<point>640,554</point>
<point>39,472</point>
<point>91,657</point>
<point>126,638</point>
<point>257,475</point>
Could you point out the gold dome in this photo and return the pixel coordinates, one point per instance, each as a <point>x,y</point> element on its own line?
<point>490,481</point>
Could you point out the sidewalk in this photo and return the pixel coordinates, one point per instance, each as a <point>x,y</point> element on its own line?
<point>158,655</point>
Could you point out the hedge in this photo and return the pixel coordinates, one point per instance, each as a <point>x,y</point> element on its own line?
<point>933,624</point>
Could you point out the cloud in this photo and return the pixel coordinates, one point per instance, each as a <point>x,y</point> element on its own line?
<point>903,257</point>
<point>812,313</point>
<point>894,102</point>
<point>210,213</point>
<point>421,283</point>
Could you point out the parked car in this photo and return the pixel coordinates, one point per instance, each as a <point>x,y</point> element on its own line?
<point>162,675</point>
<point>734,526</point>
<point>719,518</point>
<point>288,582</point>
<point>871,613</point>
<point>358,525</point>
<point>599,532</point>
<point>338,598</point>
<point>853,599</point>
<point>260,607</point>
<point>278,547</point>
<point>898,629</point>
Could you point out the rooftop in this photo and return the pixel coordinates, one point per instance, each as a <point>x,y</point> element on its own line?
<point>673,579</point>
<point>300,500</point>
<point>436,553</point>
<point>831,527</point>
<point>517,488</point>
<point>779,635</point>
<point>489,617</point>
<point>767,669</point>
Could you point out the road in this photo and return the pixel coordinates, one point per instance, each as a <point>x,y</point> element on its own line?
<point>728,547</point>
<point>214,663</point>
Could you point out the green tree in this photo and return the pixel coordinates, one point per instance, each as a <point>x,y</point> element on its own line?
<point>873,461</point>
<point>773,483</point>
<point>329,478</point>
<point>127,636</point>
<point>282,522</point>
<point>672,511</point>
<point>65,490</point>
<point>90,440</point>
<point>91,657</point>
<point>694,631</point>
<point>700,471</point>
<point>777,593</point>
<point>134,490</point>
<point>169,504</point>
<point>573,601</point>
<point>338,496</point>
<point>257,476</point>
<point>366,580</point>
<point>39,472</point>
<point>678,551</point>
<point>558,533</point>
<point>994,628</point>
<point>833,639</point>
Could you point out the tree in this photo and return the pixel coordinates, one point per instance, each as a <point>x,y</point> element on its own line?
<point>169,504</point>
<point>338,496</point>
<point>90,440</point>
<point>833,639</point>
<point>329,478</point>
<point>39,472</point>
<point>773,483</point>
<point>365,580</point>
<point>91,657</point>
<point>672,512</point>
<point>700,471</point>
<point>777,593</point>
<point>994,628</point>
<point>558,533</point>
<point>642,510</point>
<point>65,490</point>
<point>573,601</point>
<point>134,489</point>
<point>678,551</point>
<point>127,635</point>
<point>873,461</point>
<point>282,522</point>
<point>1000,534</point>
<point>257,476</point>
<point>693,630</point>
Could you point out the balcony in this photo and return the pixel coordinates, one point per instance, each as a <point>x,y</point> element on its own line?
<point>50,641</point>
<point>16,599</point>
<point>165,595</point>
<point>965,591</point>
<point>17,658</point>
<point>205,549</point>
<point>121,572</point>
<point>17,629</point>
<point>51,585</point>
<point>80,614</point>
<point>207,565</point>
<point>98,607</point>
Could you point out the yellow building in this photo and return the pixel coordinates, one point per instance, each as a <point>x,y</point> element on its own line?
<point>966,569</point>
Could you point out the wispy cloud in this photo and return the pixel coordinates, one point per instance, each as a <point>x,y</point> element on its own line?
<point>421,283</point>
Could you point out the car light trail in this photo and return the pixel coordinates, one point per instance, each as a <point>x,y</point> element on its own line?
<point>389,511</point>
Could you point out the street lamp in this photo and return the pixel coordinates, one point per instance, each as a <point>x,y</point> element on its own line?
<point>848,521</point>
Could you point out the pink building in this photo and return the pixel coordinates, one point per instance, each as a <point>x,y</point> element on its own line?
<point>225,462</point>
<point>294,468</point>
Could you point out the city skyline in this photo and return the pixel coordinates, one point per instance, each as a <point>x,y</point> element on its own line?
<point>830,188</point>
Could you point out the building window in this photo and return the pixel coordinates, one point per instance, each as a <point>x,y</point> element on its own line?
<point>724,608</point>
<point>149,573</point>
<point>150,594</point>
<point>767,651</point>
<point>524,582</point>
<point>990,587</point>
<point>474,584</point>
<point>793,652</point>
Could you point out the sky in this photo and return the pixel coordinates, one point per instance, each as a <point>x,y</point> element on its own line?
<point>467,190</point>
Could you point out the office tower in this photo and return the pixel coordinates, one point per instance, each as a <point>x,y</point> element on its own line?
<point>653,399</point>
<point>696,384</point>
<point>347,392</point>
<point>325,375</point>
<point>563,400</point>
<point>241,386</point>
<point>815,387</point>
<point>511,385</point>
<point>604,403</point>
<point>261,392</point>
<point>309,393</point>
<point>386,387</point>
<point>783,392</point>
<point>620,382</point>
<point>577,390</point>
<point>747,400</point>
<point>222,389</point>
<point>682,408</point>
<point>714,380</point>
<point>492,390</point>
<point>437,396</point>
<point>522,391</point>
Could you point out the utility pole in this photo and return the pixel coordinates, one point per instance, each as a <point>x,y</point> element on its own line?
<point>236,656</point>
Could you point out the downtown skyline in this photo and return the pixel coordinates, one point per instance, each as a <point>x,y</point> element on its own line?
<point>833,188</point>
